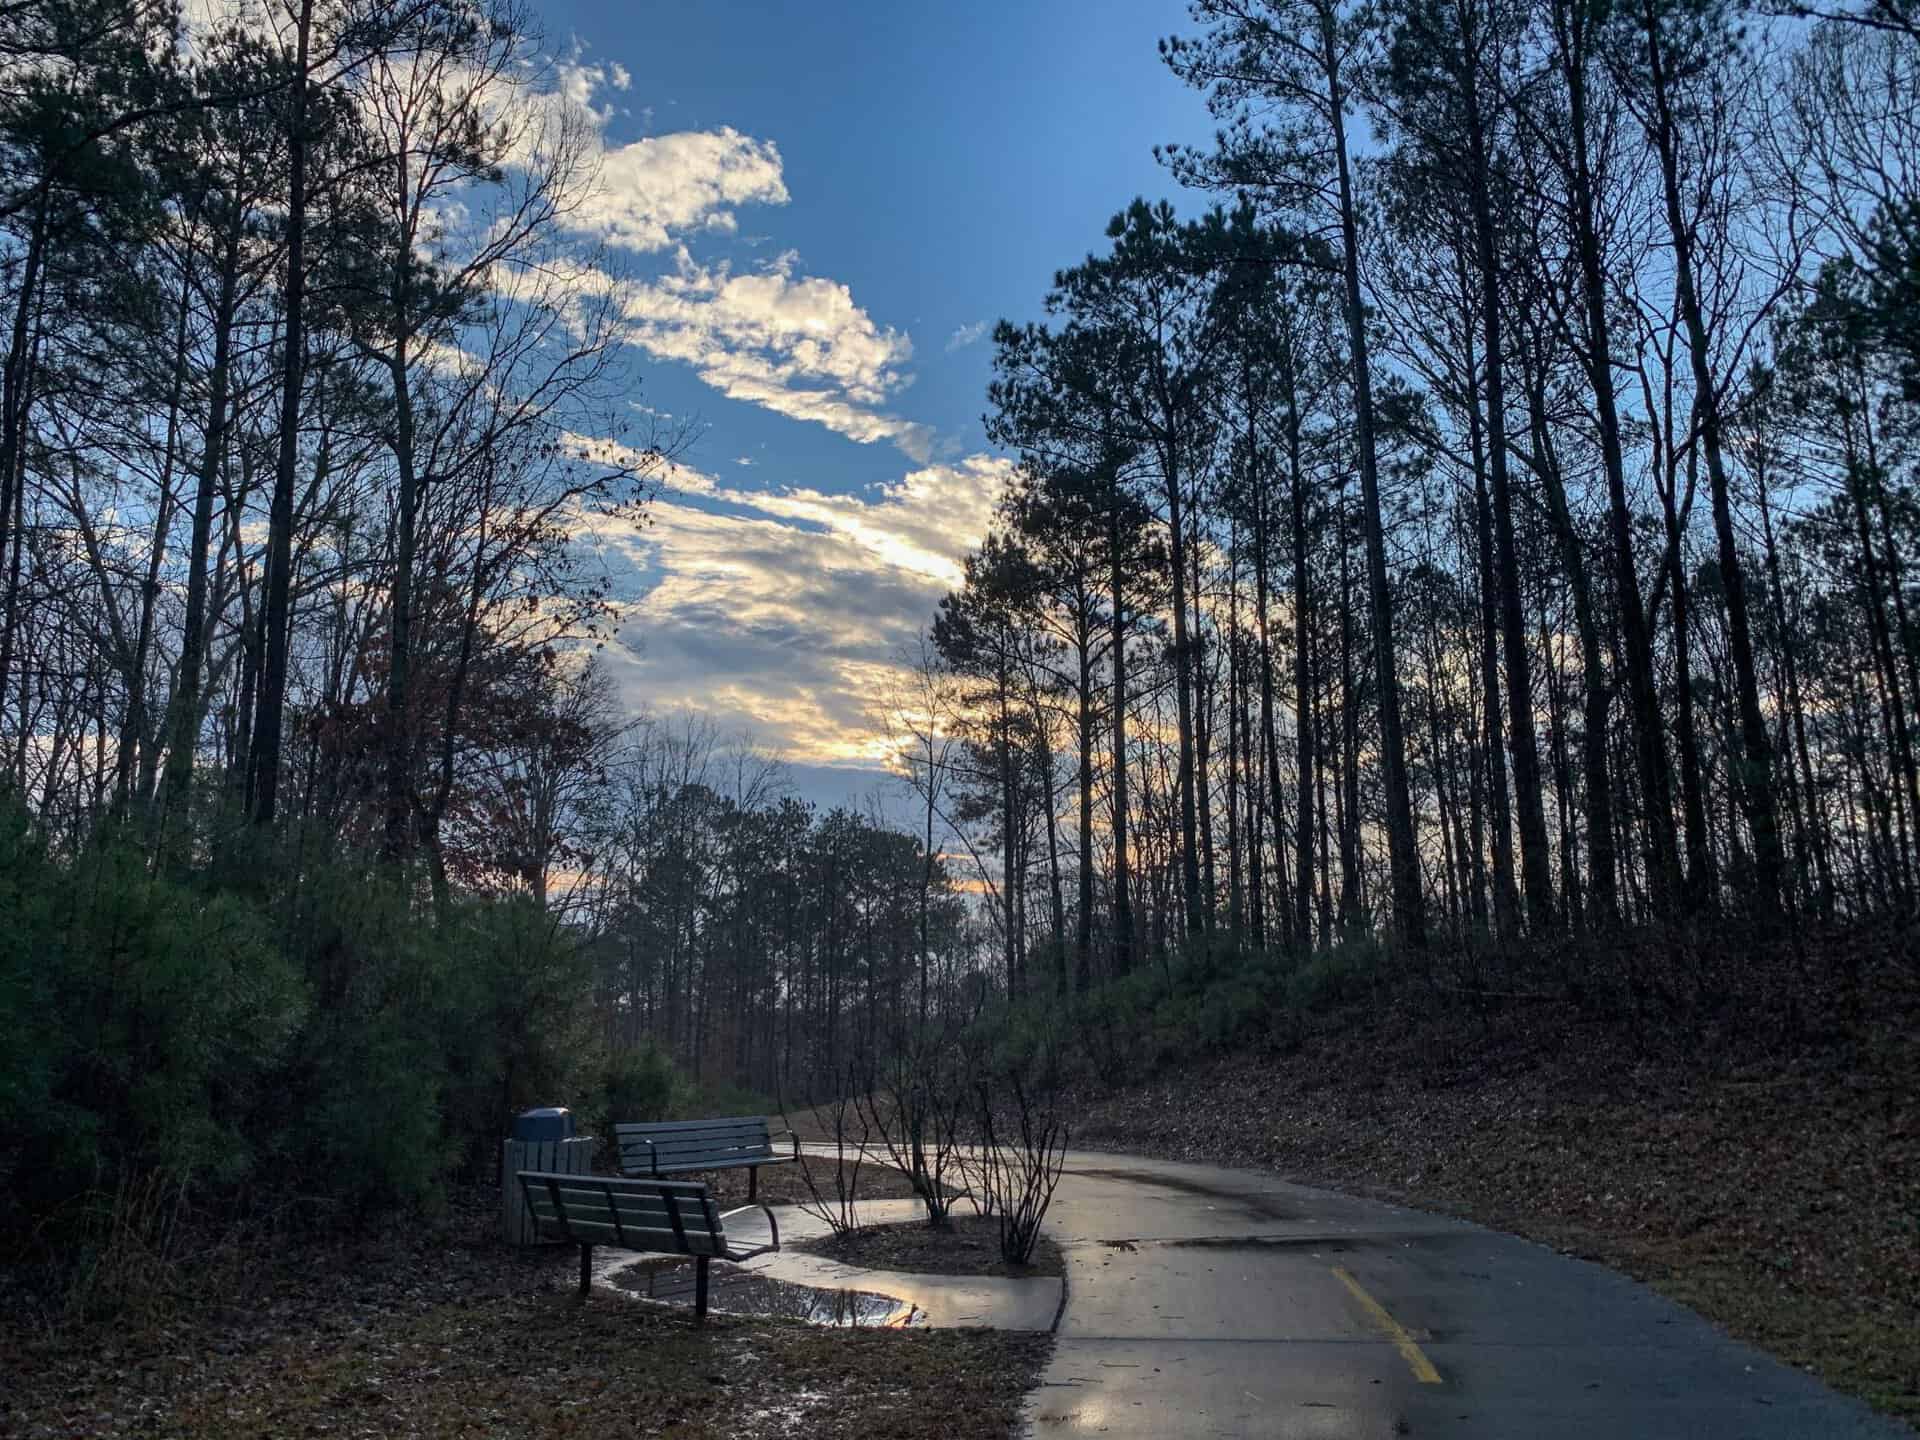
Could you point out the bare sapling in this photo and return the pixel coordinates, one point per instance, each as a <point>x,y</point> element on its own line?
<point>915,1104</point>
<point>833,1185</point>
<point>1019,1161</point>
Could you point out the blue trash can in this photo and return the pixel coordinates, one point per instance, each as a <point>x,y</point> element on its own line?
<point>549,1122</point>
<point>541,1139</point>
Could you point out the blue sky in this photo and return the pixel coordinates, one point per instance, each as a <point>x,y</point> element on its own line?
<point>821,208</point>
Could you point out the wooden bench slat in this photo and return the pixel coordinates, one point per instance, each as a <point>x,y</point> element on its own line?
<point>598,1188</point>
<point>673,1147</point>
<point>669,1217</point>
<point>669,1147</point>
<point>629,1237</point>
<point>691,1155</point>
<point>626,1215</point>
<point>736,1122</point>
<point>671,1142</point>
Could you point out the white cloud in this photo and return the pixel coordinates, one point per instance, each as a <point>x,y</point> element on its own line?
<point>922,525</point>
<point>785,611</point>
<point>794,344</point>
<point>656,189</point>
<point>966,335</point>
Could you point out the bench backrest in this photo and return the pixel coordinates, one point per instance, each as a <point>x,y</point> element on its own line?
<point>669,1216</point>
<point>670,1146</point>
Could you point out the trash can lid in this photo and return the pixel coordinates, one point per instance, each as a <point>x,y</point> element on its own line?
<point>549,1122</point>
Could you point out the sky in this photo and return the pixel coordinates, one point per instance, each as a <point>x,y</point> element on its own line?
<point>821,211</point>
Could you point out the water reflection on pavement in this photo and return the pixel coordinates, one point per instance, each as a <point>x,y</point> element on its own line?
<point>734,1291</point>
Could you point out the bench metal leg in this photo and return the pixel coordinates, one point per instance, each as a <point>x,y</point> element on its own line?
<point>700,1290</point>
<point>753,1183</point>
<point>586,1268</point>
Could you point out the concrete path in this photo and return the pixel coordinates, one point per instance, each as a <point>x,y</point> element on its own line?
<point>996,1302</point>
<point>827,1291</point>
<point>1212,1302</point>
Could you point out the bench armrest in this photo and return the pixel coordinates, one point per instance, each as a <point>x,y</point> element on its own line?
<point>653,1155</point>
<point>773,1224</point>
<point>791,1136</point>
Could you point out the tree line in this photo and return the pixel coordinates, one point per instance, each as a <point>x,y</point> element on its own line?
<point>326,841</point>
<point>300,347</point>
<point>1490,520</point>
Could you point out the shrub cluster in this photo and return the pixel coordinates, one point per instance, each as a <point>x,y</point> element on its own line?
<point>242,1040</point>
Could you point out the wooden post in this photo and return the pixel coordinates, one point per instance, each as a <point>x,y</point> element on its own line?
<point>586,1268</point>
<point>566,1157</point>
<point>700,1290</point>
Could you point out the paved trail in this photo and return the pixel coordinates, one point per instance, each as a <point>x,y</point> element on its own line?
<point>1211,1302</point>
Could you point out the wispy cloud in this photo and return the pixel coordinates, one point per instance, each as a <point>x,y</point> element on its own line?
<point>769,335</point>
<point>795,344</point>
<point>967,335</point>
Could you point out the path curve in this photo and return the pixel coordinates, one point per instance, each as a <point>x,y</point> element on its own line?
<point>1210,1302</point>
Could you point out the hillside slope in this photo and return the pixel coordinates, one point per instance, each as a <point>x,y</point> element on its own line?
<point>1772,1184</point>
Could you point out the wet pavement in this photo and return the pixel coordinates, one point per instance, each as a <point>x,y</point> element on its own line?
<point>1211,1302</point>
<point>828,1292</point>
<point>1202,1301</point>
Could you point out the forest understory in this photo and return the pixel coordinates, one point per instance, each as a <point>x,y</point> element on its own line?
<point>1762,1168</point>
<point>435,1329</point>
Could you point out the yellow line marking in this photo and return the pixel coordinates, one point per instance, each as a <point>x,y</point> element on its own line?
<point>1416,1359</point>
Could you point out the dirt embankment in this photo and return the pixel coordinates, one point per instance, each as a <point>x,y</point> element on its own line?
<point>1774,1187</point>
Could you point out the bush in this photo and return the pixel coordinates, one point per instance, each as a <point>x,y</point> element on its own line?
<point>515,1027</point>
<point>157,1022</point>
<point>631,1084</point>
<point>269,1033</point>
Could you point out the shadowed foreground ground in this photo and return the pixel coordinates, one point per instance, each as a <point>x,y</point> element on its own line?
<point>448,1333</point>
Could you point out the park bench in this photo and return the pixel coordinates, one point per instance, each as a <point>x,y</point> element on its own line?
<point>678,1146</point>
<point>667,1217</point>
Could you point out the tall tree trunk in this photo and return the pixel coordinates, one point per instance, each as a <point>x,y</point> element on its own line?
<point>1506,891</point>
<point>1083,922</point>
<point>1409,919</point>
<point>1202,741</point>
<point>135,738</point>
<point>1183,694</point>
<point>184,722</point>
<point>1572,25</point>
<point>1303,706</point>
<point>15,386</point>
<point>265,753</point>
<point>1122,880</point>
<point>1535,857</point>
<point>1602,855</point>
<point>1236,897</point>
<point>1817,839</point>
<point>1756,780</point>
<point>1269,736</point>
<point>1701,883</point>
<point>1349,795</point>
<point>399,726</point>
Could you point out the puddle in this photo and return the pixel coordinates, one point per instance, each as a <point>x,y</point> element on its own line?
<point>733,1291</point>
